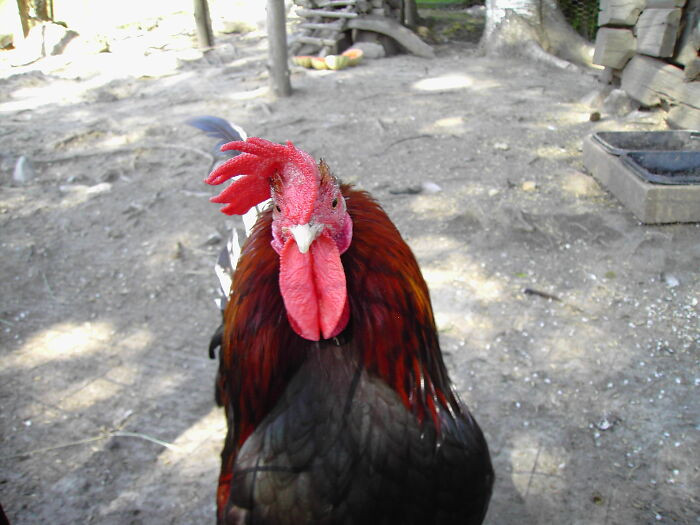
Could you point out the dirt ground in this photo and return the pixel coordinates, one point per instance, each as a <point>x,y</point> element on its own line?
<point>589,399</point>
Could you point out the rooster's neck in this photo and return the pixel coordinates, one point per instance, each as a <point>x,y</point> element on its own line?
<point>391,314</point>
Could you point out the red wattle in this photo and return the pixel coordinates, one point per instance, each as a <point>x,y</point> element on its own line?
<point>313,288</point>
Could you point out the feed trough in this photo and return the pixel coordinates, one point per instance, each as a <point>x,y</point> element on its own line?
<point>655,174</point>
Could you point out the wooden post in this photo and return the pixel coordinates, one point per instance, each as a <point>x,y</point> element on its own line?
<point>23,9</point>
<point>277,48</point>
<point>205,36</point>
<point>410,18</point>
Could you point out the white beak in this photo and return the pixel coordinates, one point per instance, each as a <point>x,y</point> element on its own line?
<point>305,234</point>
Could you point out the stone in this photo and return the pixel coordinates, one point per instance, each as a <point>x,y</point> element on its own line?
<point>43,40</point>
<point>614,47</point>
<point>619,103</point>
<point>370,50</point>
<point>594,99</point>
<point>580,185</point>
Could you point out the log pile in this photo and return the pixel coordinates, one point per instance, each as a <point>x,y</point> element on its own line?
<point>652,47</point>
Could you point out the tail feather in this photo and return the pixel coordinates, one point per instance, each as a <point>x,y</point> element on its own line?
<point>221,129</point>
<point>224,268</point>
<point>218,128</point>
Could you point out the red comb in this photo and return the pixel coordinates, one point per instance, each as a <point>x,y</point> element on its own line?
<point>259,162</point>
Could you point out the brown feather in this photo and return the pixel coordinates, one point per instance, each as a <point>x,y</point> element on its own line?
<point>392,331</point>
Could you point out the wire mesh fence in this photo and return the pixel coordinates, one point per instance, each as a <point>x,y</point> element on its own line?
<point>582,15</point>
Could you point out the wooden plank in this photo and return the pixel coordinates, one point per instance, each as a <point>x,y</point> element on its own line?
<point>614,47</point>
<point>620,12</point>
<point>324,13</point>
<point>665,3</point>
<point>332,26</point>
<point>650,81</point>
<point>336,3</point>
<point>657,31</point>
<point>318,41</point>
<point>386,26</point>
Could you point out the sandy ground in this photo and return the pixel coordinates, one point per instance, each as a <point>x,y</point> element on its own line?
<point>590,400</point>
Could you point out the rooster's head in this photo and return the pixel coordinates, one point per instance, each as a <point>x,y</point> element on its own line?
<point>311,228</point>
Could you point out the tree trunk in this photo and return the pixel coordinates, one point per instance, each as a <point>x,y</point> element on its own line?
<point>535,28</point>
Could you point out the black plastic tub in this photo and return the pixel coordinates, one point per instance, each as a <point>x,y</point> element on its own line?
<point>621,142</point>
<point>665,167</point>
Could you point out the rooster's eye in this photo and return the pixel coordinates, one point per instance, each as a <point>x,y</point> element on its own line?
<point>335,203</point>
<point>278,208</point>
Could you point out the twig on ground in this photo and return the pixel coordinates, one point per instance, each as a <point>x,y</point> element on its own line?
<point>399,141</point>
<point>106,435</point>
<point>123,433</point>
<point>552,297</point>
<point>48,287</point>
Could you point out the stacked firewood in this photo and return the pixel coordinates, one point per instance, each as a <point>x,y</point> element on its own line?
<point>324,23</point>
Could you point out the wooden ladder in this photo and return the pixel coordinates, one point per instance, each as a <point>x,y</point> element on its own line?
<point>326,24</point>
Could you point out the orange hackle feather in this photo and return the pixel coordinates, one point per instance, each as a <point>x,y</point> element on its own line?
<point>392,329</point>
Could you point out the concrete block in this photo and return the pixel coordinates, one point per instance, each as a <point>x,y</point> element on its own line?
<point>614,47</point>
<point>650,80</point>
<point>620,12</point>
<point>657,31</point>
<point>689,40</point>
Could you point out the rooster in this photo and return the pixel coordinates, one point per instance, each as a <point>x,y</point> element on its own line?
<point>338,403</point>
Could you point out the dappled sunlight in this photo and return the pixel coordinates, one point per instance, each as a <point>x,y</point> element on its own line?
<point>470,327</point>
<point>523,452</point>
<point>473,283</point>
<point>61,342</point>
<point>448,126</point>
<point>427,246</point>
<point>97,391</point>
<point>249,95</point>
<point>90,72</point>
<point>452,82</point>
<point>572,114</point>
<point>163,252</point>
<point>137,340</point>
<point>553,152</point>
<point>438,206</point>
<point>530,460</point>
<point>59,92</point>
<point>209,428</point>
<point>76,194</point>
<point>116,141</point>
